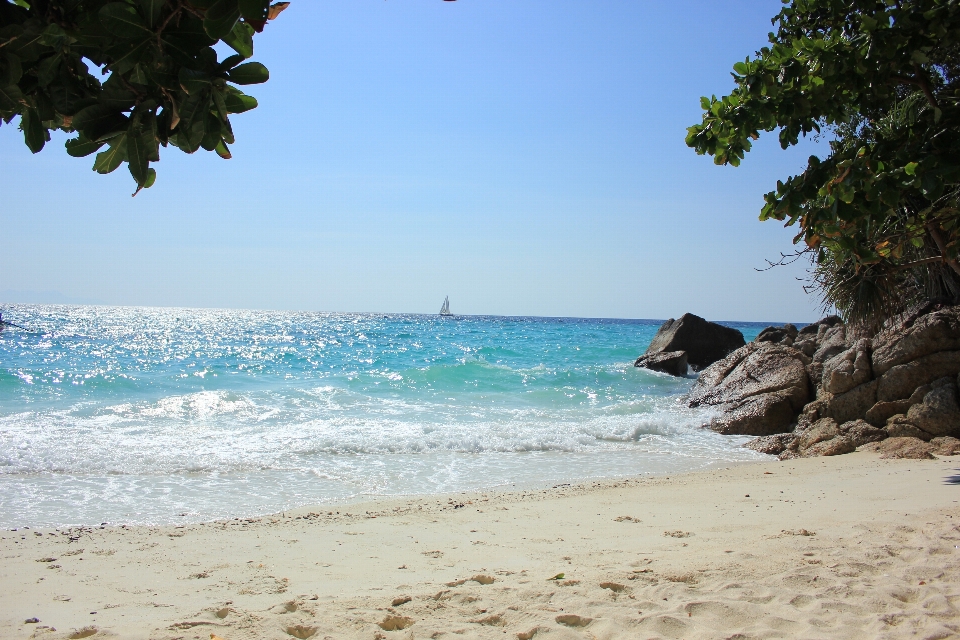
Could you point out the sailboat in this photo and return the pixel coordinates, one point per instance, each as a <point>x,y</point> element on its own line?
<point>445,309</point>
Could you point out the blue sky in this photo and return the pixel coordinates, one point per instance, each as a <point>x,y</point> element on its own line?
<point>524,157</point>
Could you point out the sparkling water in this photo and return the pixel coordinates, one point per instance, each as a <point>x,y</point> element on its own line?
<point>145,415</point>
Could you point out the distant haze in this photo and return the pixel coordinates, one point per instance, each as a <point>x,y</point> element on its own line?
<point>524,157</point>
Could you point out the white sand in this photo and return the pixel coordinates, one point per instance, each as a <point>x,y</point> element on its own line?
<point>883,563</point>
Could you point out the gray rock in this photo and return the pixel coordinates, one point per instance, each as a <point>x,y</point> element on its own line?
<point>705,342</point>
<point>819,431</point>
<point>760,415</point>
<point>817,328</point>
<point>760,387</point>
<point>899,427</point>
<point>782,335</point>
<point>946,446</point>
<point>752,370</point>
<point>847,369</point>
<point>807,346</point>
<point>853,404</point>
<point>862,432</point>
<point>879,413</point>
<point>916,337</point>
<point>903,447</point>
<point>672,362</point>
<point>771,445</point>
<point>833,447</point>
<point>831,341</point>
<point>939,413</point>
<point>900,381</point>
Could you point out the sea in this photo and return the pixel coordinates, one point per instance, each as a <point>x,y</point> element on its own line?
<point>125,415</point>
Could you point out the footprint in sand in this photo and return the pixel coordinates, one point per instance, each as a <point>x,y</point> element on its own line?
<point>222,613</point>
<point>86,632</point>
<point>613,586</point>
<point>527,635</point>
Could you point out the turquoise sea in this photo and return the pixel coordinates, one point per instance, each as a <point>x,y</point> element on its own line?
<point>159,415</point>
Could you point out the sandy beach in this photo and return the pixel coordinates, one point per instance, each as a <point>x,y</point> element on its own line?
<point>846,547</point>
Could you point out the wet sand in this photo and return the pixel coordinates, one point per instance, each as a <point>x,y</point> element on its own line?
<point>845,547</point>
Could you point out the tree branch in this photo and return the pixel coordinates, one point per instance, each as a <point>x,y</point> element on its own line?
<point>937,236</point>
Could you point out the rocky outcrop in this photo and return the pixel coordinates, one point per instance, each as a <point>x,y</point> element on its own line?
<point>759,388</point>
<point>672,362</point>
<point>827,389</point>
<point>704,342</point>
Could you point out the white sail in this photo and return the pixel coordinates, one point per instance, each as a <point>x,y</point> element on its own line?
<point>445,309</point>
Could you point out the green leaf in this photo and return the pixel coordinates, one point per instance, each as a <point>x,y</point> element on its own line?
<point>910,168</point>
<point>107,161</point>
<point>11,97</point>
<point>10,69</point>
<point>249,73</point>
<point>559,576</point>
<point>81,146</point>
<point>138,154</point>
<point>123,21</point>
<point>97,122</point>
<point>193,81</point>
<point>34,133</point>
<point>223,150</point>
<point>152,10</point>
<point>254,9</point>
<point>240,39</point>
<point>239,102</point>
<point>220,18</point>
<point>151,178</point>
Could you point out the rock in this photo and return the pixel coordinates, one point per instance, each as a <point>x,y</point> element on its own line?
<point>831,341</point>
<point>772,445</point>
<point>879,413</point>
<point>808,346</point>
<point>945,446</point>
<point>939,413</point>
<point>900,381</point>
<point>915,337</point>
<point>760,387</point>
<point>911,448</point>
<point>853,404</point>
<point>783,335</point>
<point>705,342</point>
<point>813,330</point>
<point>847,369</point>
<point>819,431</point>
<point>899,427</point>
<point>862,432</point>
<point>672,362</point>
<point>833,447</point>
<point>757,415</point>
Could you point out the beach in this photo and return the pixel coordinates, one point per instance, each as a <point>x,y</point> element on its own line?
<point>850,546</point>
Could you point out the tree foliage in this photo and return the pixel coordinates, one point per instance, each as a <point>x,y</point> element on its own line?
<point>881,211</point>
<point>163,85</point>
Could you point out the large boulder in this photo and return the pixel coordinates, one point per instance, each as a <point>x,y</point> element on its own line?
<point>915,337</point>
<point>847,369</point>
<point>901,380</point>
<point>672,362</point>
<point>705,342</point>
<point>938,415</point>
<point>759,389</point>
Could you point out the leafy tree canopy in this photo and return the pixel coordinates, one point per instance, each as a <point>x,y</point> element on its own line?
<point>163,85</point>
<point>881,211</point>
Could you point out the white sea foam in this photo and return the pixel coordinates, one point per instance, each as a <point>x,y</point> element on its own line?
<point>103,416</point>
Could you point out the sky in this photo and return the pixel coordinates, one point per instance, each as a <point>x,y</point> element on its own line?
<point>524,157</point>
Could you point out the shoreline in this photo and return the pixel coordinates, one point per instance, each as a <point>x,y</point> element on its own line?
<point>701,553</point>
